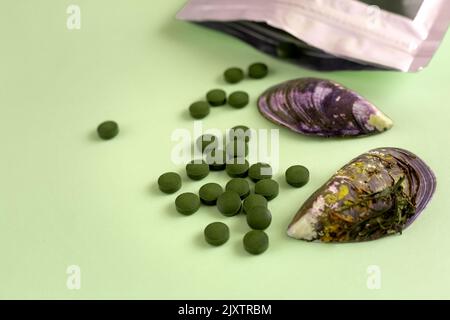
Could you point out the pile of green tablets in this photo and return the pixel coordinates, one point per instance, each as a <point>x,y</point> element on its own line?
<point>248,190</point>
<point>218,97</point>
<point>238,196</point>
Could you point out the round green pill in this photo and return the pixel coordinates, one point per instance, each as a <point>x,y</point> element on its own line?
<point>259,171</point>
<point>217,233</point>
<point>199,109</point>
<point>216,97</point>
<point>209,193</point>
<point>257,70</point>
<point>268,188</point>
<point>297,176</point>
<point>229,203</point>
<point>216,159</point>
<point>240,133</point>
<point>253,200</point>
<point>259,218</point>
<point>233,75</point>
<point>237,148</point>
<point>240,186</point>
<point>108,130</point>
<point>237,168</point>
<point>197,169</point>
<point>206,142</point>
<point>238,99</point>
<point>187,203</point>
<point>256,241</point>
<point>287,50</point>
<point>169,182</point>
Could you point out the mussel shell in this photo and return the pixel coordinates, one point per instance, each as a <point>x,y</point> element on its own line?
<point>321,107</point>
<point>379,193</point>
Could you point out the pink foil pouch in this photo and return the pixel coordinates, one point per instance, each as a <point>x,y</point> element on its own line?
<point>332,34</point>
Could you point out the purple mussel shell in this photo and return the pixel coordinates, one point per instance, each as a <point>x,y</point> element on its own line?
<point>320,107</point>
<point>377,194</point>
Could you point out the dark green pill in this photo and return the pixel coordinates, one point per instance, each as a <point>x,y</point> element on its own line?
<point>240,186</point>
<point>197,169</point>
<point>259,217</point>
<point>257,70</point>
<point>233,75</point>
<point>240,133</point>
<point>297,176</point>
<point>216,97</point>
<point>217,233</point>
<point>216,159</point>
<point>268,188</point>
<point>207,141</point>
<point>256,242</point>
<point>238,99</point>
<point>237,168</point>
<point>253,200</point>
<point>108,130</point>
<point>229,203</point>
<point>209,193</point>
<point>187,203</point>
<point>169,182</point>
<point>287,50</point>
<point>237,148</point>
<point>199,109</point>
<point>259,171</point>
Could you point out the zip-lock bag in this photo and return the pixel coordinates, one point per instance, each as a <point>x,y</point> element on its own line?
<point>332,34</point>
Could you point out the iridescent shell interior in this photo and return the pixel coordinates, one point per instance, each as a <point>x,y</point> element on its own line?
<point>323,108</point>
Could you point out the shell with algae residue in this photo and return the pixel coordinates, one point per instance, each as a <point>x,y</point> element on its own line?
<point>377,194</point>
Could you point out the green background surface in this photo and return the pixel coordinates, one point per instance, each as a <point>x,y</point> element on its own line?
<point>67,198</point>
